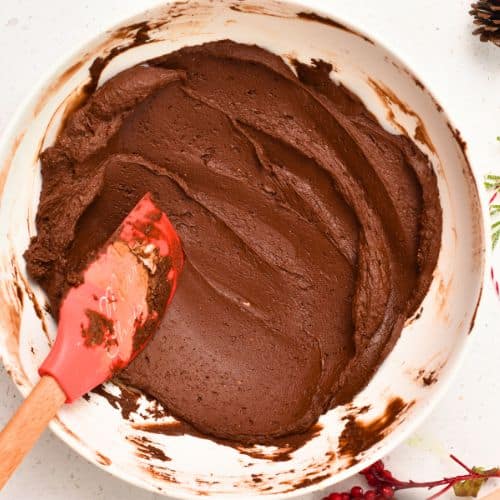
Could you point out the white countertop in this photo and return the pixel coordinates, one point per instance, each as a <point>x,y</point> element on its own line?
<point>432,37</point>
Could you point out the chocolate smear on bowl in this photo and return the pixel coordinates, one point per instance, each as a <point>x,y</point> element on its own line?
<point>275,450</point>
<point>146,449</point>
<point>312,16</point>
<point>127,401</point>
<point>359,435</point>
<point>102,459</point>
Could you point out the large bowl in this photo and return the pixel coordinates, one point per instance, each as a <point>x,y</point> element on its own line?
<point>418,370</point>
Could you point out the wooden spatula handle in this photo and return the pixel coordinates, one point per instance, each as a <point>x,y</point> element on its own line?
<point>28,423</point>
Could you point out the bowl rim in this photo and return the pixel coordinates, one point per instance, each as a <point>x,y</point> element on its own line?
<point>399,433</point>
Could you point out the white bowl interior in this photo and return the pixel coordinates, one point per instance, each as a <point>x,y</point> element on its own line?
<point>418,369</point>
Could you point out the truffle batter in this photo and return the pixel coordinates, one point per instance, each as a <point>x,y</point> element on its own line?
<point>310,232</point>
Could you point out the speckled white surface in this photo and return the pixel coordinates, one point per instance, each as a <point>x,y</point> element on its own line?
<point>434,39</point>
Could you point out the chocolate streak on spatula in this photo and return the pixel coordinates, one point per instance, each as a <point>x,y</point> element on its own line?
<point>103,323</point>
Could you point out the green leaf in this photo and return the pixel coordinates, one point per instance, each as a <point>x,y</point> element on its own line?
<point>492,181</point>
<point>495,238</point>
<point>471,487</point>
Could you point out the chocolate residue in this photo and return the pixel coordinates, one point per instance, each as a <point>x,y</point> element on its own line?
<point>19,292</point>
<point>132,35</point>
<point>254,9</point>
<point>458,137</point>
<point>37,308</point>
<point>421,135</point>
<point>430,379</point>
<point>172,428</point>
<point>416,317</point>
<point>307,482</point>
<point>443,291</point>
<point>103,460</point>
<point>388,97</point>
<point>427,378</point>
<point>100,330</point>
<point>141,37</point>
<point>66,429</point>
<point>4,171</point>
<point>419,314</point>
<point>156,410</point>
<point>165,474</point>
<point>146,449</point>
<point>468,172</point>
<point>10,319</point>
<point>418,83</point>
<point>21,283</point>
<point>127,401</point>
<point>284,446</point>
<point>363,409</point>
<point>473,319</point>
<point>312,16</point>
<point>358,436</point>
<point>205,482</point>
<point>310,232</point>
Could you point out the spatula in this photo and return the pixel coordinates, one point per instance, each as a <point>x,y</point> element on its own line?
<point>104,322</point>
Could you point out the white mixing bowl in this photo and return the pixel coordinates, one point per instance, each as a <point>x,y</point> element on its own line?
<point>418,370</point>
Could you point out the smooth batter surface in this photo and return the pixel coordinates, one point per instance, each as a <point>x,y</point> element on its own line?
<point>310,233</point>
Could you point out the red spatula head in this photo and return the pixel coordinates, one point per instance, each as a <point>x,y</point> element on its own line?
<point>106,321</point>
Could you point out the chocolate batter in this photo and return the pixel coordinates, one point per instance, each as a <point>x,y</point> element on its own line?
<point>310,232</point>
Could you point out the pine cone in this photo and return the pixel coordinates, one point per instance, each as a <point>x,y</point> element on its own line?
<point>486,15</point>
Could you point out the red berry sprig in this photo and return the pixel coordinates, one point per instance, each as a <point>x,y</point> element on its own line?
<point>380,490</point>
<point>384,485</point>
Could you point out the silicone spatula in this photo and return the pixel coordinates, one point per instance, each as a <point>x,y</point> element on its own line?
<point>104,322</point>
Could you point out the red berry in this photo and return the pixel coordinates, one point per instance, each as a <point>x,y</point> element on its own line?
<point>378,466</point>
<point>386,474</point>
<point>346,496</point>
<point>371,479</point>
<point>357,492</point>
<point>334,496</point>
<point>386,491</point>
<point>370,495</point>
